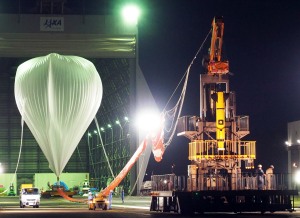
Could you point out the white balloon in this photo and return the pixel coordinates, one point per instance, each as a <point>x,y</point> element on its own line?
<point>58,97</point>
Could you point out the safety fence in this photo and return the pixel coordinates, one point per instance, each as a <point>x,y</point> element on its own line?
<point>242,181</point>
<point>168,182</point>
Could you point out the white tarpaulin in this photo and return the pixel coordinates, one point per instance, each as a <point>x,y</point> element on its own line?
<point>58,97</point>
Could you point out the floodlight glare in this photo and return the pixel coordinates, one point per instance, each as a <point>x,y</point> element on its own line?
<point>148,121</point>
<point>130,14</point>
<point>297,177</point>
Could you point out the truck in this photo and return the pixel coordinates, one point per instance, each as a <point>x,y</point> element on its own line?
<point>30,197</point>
<point>146,188</point>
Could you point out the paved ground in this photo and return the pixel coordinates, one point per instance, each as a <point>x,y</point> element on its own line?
<point>138,202</point>
<point>133,207</point>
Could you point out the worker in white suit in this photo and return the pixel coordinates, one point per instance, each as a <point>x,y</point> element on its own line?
<point>270,178</point>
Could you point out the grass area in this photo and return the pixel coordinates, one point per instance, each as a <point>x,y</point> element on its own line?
<point>297,201</point>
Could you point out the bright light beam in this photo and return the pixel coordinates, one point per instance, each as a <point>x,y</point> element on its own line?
<point>131,14</point>
<point>148,121</point>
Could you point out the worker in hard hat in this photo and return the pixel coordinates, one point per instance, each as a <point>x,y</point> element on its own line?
<point>91,203</point>
<point>260,177</point>
<point>270,179</point>
<point>110,196</point>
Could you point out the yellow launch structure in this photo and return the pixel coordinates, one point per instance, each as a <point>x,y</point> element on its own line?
<point>220,120</point>
<point>216,146</point>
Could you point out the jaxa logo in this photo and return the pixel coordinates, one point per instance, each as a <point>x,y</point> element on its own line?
<point>49,23</point>
<point>52,24</point>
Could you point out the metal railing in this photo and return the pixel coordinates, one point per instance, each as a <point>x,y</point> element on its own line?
<point>207,150</point>
<point>242,181</point>
<point>168,182</point>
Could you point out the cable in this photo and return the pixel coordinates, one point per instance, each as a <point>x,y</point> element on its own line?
<point>180,101</point>
<point>80,159</point>
<point>200,48</point>
<point>19,157</point>
<point>98,129</point>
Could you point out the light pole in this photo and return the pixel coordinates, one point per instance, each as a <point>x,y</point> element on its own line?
<point>121,128</point>
<point>130,15</point>
<point>103,130</point>
<point>173,166</point>
<point>112,133</point>
<point>112,143</point>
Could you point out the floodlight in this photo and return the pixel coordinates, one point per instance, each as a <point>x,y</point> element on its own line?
<point>130,14</point>
<point>148,121</point>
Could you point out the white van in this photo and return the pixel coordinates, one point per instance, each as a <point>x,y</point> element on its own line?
<point>30,197</point>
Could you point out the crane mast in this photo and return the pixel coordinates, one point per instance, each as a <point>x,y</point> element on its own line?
<point>216,65</point>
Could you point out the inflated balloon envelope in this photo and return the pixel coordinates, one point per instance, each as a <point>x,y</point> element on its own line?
<point>58,97</point>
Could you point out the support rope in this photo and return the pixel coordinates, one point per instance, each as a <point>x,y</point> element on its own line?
<point>178,106</point>
<point>98,129</point>
<point>19,157</point>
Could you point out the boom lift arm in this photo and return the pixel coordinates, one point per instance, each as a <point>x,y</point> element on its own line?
<point>101,198</point>
<point>124,171</point>
<point>156,137</point>
<point>157,145</point>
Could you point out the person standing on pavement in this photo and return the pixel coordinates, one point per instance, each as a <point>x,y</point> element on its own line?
<point>110,199</point>
<point>122,195</point>
<point>270,178</point>
<point>260,177</point>
<point>91,203</point>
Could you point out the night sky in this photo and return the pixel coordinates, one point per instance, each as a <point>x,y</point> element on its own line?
<point>261,43</point>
